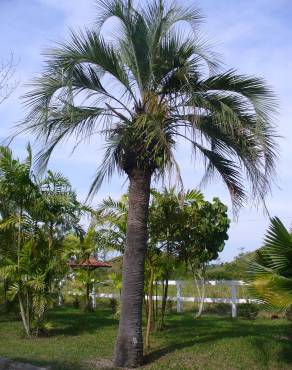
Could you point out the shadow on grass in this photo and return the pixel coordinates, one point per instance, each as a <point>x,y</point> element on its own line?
<point>9,315</point>
<point>210,330</point>
<point>73,322</point>
<point>9,318</point>
<point>182,332</point>
<point>52,365</point>
<point>286,352</point>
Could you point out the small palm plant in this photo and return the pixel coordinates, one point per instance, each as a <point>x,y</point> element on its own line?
<point>35,215</point>
<point>270,271</point>
<point>33,277</point>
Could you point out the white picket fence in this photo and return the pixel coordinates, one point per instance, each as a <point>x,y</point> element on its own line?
<point>179,299</point>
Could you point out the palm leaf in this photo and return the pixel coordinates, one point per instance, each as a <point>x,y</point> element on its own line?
<point>270,273</point>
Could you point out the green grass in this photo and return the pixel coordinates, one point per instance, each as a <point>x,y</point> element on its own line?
<point>79,339</point>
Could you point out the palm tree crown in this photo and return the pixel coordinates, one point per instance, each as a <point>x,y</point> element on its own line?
<point>147,89</point>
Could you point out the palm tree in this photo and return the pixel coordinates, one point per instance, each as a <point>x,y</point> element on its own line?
<point>17,190</point>
<point>35,215</point>
<point>270,270</point>
<point>146,90</point>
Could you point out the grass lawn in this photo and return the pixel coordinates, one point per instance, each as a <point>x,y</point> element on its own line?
<point>80,339</point>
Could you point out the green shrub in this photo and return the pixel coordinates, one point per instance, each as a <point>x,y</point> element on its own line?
<point>76,302</point>
<point>248,310</point>
<point>115,306</point>
<point>289,313</point>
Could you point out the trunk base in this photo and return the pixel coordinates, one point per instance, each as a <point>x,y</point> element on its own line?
<point>128,352</point>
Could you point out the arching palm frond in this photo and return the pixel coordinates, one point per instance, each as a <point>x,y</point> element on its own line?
<point>193,195</point>
<point>111,208</point>
<point>270,273</point>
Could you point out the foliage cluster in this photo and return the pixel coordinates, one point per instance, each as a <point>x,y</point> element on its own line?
<point>183,230</point>
<point>36,214</point>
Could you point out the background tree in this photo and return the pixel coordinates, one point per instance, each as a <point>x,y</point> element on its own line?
<point>16,190</point>
<point>183,227</point>
<point>164,224</point>
<point>145,92</point>
<point>203,236</point>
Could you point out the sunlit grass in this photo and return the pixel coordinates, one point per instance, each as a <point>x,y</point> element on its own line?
<point>79,339</point>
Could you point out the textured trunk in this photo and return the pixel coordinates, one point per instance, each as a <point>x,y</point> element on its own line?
<point>129,345</point>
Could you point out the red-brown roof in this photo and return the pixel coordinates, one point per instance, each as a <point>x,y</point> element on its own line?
<point>92,263</point>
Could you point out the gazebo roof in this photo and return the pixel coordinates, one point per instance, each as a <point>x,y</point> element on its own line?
<point>90,263</point>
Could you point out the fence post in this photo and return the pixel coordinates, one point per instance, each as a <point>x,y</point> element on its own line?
<point>60,300</point>
<point>60,296</point>
<point>233,301</point>
<point>178,296</point>
<point>93,297</point>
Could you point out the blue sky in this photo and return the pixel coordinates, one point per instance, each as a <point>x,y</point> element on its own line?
<point>254,37</point>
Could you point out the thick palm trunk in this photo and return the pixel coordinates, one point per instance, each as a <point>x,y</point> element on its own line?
<point>129,345</point>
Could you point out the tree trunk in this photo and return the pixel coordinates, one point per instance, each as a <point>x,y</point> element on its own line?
<point>87,298</point>
<point>201,291</point>
<point>145,304</point>
<point>164,301</point>
<point>129,344</point>
<point>156,303</point>
<point>19,236</point>
<point>201,294</point>
<point>23,316</point>
<point>150,308</point>
<point>28,306</point>
<point>5,298</point>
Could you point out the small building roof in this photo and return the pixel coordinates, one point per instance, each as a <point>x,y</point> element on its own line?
<point>90,263</point>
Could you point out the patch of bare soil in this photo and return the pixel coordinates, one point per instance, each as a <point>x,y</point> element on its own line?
<point>105,364</point>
